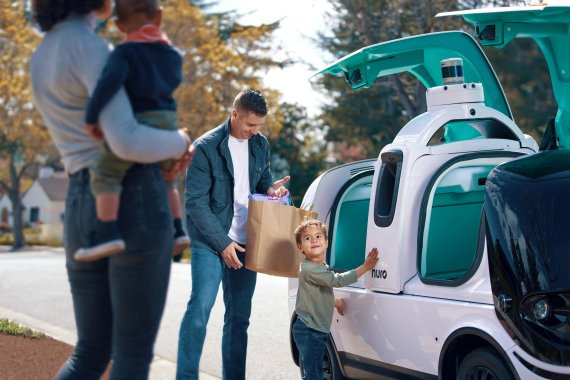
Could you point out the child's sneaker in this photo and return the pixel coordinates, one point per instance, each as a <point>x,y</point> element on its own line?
<point>104,241</point>
<point>181,240</point>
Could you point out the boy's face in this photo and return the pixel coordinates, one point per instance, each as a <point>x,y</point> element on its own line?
<point>313,244</point>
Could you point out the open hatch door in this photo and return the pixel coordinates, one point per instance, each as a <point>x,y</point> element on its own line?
<point>421,56</point>
<point>549,26</point>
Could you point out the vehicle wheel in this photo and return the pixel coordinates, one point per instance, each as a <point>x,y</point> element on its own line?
<point>483,363</point>
<point>331,369</point>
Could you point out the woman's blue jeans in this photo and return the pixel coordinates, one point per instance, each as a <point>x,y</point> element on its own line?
<point>208,270</point>
<point>311,346</point>
<point>118,301</point>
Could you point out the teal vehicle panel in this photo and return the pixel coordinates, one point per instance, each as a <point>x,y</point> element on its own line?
<point>549,27</point>
<point>421,55</point>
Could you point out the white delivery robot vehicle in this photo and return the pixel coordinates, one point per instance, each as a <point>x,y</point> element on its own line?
<point>473,279</point>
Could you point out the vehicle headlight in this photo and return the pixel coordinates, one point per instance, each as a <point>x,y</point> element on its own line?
<point>548,314</point>
<point>541,309</point>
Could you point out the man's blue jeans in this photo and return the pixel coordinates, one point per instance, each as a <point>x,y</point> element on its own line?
<point>311,346</point>
<point>208,270</point>
<point>118,301</point>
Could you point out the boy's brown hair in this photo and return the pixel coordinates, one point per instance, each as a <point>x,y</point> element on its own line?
<point>125,9</point>
<point>309,223</point>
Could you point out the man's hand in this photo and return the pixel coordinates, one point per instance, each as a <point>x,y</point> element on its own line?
<point>95,131</point>
<point>230,256</point>
<point>339,304</point>
<point>277,189</point>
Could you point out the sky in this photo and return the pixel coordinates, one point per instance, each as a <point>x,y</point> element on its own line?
<point>300,22</point>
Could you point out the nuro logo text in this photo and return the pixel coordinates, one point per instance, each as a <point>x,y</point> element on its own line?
<point>379,273</point>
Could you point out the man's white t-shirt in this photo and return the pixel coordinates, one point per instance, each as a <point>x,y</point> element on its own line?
<point>239,150</point>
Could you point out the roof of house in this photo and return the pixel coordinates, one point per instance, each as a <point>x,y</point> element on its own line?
<point>55,187</point>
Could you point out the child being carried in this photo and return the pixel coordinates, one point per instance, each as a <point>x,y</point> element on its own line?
<point>150,69</point>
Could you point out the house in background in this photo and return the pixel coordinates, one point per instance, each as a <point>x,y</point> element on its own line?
<point>44,204</point>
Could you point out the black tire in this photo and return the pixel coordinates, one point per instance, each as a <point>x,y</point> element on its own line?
<point>331,368</point>
<point>483,363</point>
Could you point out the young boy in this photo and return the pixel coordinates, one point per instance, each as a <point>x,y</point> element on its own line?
<point>150,69</point>
<point>315,299</point>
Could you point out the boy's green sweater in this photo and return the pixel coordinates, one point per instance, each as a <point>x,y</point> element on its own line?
<point>315,298</point>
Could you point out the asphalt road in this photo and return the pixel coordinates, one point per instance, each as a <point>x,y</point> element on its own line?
<point>34,287</point>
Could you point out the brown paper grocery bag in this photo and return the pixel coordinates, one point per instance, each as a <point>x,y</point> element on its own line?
<point>271,246</point>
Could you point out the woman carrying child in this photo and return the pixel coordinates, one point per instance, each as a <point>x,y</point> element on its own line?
<point>118,301</point>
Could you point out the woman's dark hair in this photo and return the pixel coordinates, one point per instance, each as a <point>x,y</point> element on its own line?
<point>252,101</point>
<point>47,13</point>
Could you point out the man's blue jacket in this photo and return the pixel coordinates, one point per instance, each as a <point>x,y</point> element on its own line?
<point>210,186</point>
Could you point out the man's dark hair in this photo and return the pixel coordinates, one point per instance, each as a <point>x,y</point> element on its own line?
<point>252,101</point>
<point>47,13</point>
<point>127,8</point>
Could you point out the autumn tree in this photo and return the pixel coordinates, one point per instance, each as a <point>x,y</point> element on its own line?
<point>221,58</point>
<point>23,139</point>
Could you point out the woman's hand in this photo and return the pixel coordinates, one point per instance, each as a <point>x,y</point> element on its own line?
<point>181,164</point>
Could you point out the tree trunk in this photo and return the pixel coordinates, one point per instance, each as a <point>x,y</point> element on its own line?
<point>18,227</point>
<point>17,207</point>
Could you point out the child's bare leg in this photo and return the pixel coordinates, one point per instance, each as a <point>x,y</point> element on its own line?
<point>174,202</point>
<point>107,206</point>
<point>181,240</point>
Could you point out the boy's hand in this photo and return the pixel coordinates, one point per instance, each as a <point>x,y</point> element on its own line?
<point>371,259</point>
<point>95,131</point>
<point>339,305</point>
<point>369,263</point>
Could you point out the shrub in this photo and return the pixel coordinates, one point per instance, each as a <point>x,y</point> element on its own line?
<point>32,239</point>
<point>12,328</point>
<point>6,239</point>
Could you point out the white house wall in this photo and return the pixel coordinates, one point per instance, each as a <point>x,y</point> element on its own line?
<point>37,197</point>
<point>5,203</point>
